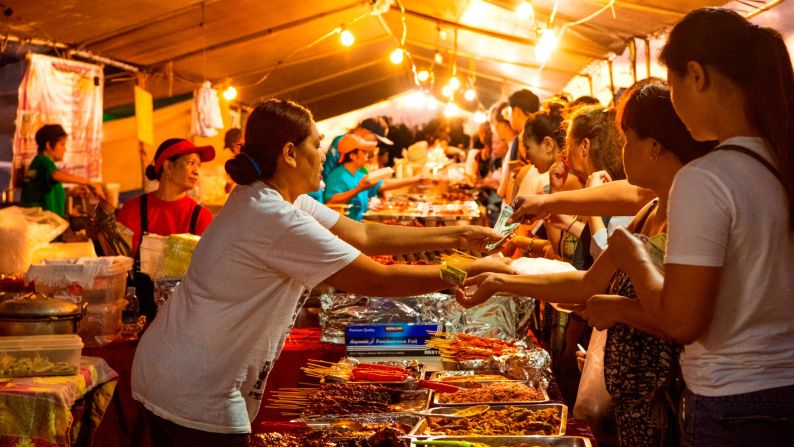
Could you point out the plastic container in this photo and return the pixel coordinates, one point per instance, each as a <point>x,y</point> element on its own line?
<point>100,280</point>
<point>101,323</point>
<point>40,355</point>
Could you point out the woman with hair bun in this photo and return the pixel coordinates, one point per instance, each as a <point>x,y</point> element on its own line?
<point>727,294</point>
<point>169,210</point>
<point>201,367</point>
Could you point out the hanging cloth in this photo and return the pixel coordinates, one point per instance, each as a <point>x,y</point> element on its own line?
<point>205,112</point>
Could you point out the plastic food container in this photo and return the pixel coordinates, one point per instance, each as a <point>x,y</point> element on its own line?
<point>40,355</point>
<point>82,280</point>
<point>101,323</point>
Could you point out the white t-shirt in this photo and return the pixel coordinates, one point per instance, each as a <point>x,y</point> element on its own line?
<point>204,360</point>
<point>727,210</point>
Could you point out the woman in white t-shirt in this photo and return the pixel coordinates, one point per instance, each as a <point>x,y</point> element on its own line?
<point>728,288</point>
<point>200,368</point>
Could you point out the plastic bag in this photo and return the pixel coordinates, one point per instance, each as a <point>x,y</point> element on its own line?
<point>593,402</point>
<point>22,230</point>
<point>176,256</point>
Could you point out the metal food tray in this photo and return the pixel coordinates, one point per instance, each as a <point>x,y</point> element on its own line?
<point>545,397</point>
<point>421,427</point>
<point>411,400</point>
<point>438,375</point>
<point>529,441</point>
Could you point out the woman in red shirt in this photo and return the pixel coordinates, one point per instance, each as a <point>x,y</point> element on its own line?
<point>169,210</point>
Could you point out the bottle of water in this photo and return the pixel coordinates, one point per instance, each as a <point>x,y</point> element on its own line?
<point>129,316</point>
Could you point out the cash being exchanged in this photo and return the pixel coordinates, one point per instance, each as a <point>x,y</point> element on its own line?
<point>502,227</point>
<point>450,271</point>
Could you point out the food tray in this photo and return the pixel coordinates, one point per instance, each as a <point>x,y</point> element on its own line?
<point>438,376</point>
<point>324,422</point>
<point>411,400</point>
<point>404,385</point>
<point>420,430</point>
<point>545,397</point>
<point>524,441</point>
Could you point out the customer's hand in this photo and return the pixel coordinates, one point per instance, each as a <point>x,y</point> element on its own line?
<point>96,188</point>
<point>476,238</point>
<point>489,264</point>
<point>598,178</point>
<point>528,207</point>
<point>558,175</point>
<point>366,183</point>
<point>477,290</point>
<point>580,358</point>
<point>625,249</point>
<point>603,311</point>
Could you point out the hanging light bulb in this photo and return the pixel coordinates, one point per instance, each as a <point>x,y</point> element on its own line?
<point>438,58</point>
<point>470,94</point>
<point>423,75</point>
<point>547,42</point>
<point>451,109</point>
<point>347,38</point>
<point>442,34</point>
<point>454,83</point>
<point>396,56</point>
<point>230,93</point>
<point>479,117</point>
<point>446,91</point>
<point>525,11</point>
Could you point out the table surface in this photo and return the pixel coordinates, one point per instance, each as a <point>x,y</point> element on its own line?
<point>39,409</point>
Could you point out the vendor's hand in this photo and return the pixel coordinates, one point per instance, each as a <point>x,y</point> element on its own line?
<point>366,183</point>
<point>558,175</point>
<point>580,358</point>
<point>476,238</point>
<point>478,289</point>
<point>625,249</point>
<point>603,311</point>
<point>598,178</point>
<point>528,207</point>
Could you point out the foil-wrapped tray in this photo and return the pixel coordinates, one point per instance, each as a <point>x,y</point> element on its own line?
<point>422,427</point>
<point>544,397</point>
<point>439,376</point>
<point>515,441</point>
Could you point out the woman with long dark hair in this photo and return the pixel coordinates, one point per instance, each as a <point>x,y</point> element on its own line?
<point>200,368</point>
<point>728,290</point>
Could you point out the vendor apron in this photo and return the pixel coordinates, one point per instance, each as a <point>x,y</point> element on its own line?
<point>144,287</point>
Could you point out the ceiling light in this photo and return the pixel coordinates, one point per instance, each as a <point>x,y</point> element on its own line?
<point>480,117</point>
<point>230,93</point>
<point>396,56</point>
<point>547,42</point>
<point>454,83</point>
<point>432,102</point>
<point>423,75</point>
<point>442,34</point>
<point>470,94</point>
<point>438,58</point>
<point>525,11</point>
<point>451,110</point>
<point>347,38</point>
<point>446,91</point>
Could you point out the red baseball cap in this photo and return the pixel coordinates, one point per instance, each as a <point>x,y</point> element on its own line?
<point>351,142</point>
<point>179,146</point>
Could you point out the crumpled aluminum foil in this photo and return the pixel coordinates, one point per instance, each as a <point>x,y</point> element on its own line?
<point>528,364</point>
<point>504,317</point>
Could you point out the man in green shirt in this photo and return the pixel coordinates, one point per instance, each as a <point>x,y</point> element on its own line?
<point>43,180</point>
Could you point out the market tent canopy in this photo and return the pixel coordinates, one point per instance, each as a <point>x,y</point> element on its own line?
<point>261,46</point>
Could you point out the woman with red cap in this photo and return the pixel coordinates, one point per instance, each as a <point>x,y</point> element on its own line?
<point>169,210</point>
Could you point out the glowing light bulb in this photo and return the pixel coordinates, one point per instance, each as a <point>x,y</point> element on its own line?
<point>423,75</point>
<point>480,117</point>
<point>438,58</point>
<point>230,93</point>
<point>347,38</point>
<point>470,94</point>
<point>446,91</point>
<point>451,110</point>
<point>443,34</point>
<point>396,56</point>
<point>454,83</point>
<point>547,42</point>
<point>525,11</point>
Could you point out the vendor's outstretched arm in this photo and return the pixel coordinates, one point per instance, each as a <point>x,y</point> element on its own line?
<point>366,277</point>
<point>379,239</point>
<point>618,198</point>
